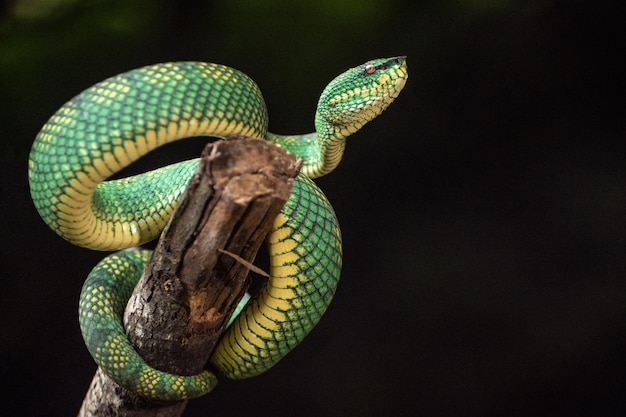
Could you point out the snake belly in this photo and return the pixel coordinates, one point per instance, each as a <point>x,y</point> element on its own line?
<point>115,122</point>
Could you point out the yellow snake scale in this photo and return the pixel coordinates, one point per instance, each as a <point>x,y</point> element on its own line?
<point>113,123</point>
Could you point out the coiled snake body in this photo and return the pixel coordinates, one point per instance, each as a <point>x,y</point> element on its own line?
<point>113,123</point>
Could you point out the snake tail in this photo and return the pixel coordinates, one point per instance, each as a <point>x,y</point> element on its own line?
<point>102,302</point>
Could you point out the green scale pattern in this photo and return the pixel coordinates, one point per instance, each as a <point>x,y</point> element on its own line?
<point>125,108</point>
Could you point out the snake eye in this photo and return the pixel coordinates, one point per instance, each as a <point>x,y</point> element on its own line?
<point>370,68</point>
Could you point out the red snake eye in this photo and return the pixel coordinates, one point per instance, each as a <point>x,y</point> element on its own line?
<point>370,68</point>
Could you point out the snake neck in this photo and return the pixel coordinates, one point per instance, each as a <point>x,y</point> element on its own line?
<point>321,150</point>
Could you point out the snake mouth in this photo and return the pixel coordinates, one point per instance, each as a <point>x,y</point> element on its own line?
<point>401,73</point>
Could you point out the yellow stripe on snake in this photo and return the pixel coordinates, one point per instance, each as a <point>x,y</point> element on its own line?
<point>113,123</point>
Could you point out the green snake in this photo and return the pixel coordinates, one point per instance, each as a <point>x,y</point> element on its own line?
<point>113,123</point>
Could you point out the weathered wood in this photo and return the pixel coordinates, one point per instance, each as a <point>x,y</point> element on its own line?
<point>199,269</point>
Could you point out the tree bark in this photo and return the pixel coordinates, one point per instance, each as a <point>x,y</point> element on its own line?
<point>198,272</point>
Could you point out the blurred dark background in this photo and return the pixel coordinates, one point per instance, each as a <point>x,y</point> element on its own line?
<point>483,213</point>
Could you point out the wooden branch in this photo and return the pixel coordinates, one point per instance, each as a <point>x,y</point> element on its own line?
<point>198,271</point>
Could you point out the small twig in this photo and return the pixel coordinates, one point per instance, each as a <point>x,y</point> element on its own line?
<point>245,263</point>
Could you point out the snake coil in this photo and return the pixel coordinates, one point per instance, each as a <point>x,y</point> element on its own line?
<point>113,123</point>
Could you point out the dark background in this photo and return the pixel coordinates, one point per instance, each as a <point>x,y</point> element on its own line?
<point>483,213</point>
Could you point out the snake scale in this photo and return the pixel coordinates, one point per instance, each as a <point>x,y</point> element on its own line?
<point>113,123</point>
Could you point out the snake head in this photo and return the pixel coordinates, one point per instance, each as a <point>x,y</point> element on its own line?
<point>360,94</point>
